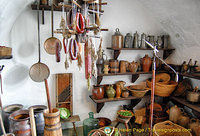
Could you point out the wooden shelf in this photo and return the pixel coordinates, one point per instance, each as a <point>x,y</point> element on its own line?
<point>6,57</point>
<point>135,75</point>
<point>190,75</point>
<point>100,103</point>
<point>166,51</point>
<point>195,107</point>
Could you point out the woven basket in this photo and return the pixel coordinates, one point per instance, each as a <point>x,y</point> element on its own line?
<point>167,128</point>
<point>163,77</point>
<point>5,51</point>
<point>163,89</point>
<point>138,93</point>
<point>100,132</point>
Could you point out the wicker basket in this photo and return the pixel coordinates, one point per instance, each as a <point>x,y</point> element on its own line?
<point>100,132</point>
<point>163,77</point>
<point>163,89</point>
<point>139,93</point>
<point>167,128</point>
<point>5,51</point>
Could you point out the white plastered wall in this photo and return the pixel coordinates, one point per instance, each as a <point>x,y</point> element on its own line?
<point>19,30</point>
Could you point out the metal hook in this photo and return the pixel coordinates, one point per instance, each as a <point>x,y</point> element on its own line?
<point>1,68</point>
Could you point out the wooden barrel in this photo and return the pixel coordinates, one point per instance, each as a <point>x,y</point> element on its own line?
<point>52,123</point>
<point>20,123</point>
<point>6,113</point>
<point>39,118</point>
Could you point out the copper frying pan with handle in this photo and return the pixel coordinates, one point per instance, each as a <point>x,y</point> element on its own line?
<point>51,42</point>
<point>39,71</point>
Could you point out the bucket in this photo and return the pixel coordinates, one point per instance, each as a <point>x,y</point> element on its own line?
<point>6,113</point>
<point>52,123</point>
<point>39,118</point>
<point>20,123</point>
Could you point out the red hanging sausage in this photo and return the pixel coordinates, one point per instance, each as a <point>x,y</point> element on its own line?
<point>73,49</point>
<point>65,42</point>
<point>80,21</point>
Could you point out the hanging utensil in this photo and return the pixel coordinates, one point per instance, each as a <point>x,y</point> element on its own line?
<point>39,71</point>
<point>50,43</point>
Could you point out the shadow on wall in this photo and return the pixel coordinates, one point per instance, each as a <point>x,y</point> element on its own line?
<point>26,49</point>
<point>16,75</point>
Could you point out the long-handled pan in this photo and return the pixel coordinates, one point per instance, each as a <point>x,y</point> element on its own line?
<point>39,71</point>
<point>51,43</point>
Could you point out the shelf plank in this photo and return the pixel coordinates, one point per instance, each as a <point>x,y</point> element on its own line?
<point>114,99</point>
<point>195,107</point>
<point>129,73</point>
<point>6,57</point>
<point>191,75</point>
<point>164,49</point>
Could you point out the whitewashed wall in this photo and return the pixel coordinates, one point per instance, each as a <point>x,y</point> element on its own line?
<point>128,16</point>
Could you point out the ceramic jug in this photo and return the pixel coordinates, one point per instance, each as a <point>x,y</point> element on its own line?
<point>121,83</point>
<point>110,92</point>
<point>118,90</point>
<point>142,43</point>
<point>146,63</point>
<point>174,114</point>
<point>135,40</point>
<point>133,66</point>
<point>117,39</point>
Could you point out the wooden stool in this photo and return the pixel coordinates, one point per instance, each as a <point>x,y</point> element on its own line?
<point>72,119</point>
<point>125,121</point>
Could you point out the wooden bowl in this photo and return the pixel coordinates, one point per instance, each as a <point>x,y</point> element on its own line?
<point>104,121</point>
<point>122,116</point>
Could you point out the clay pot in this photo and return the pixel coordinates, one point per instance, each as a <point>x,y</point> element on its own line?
<point>110,92</point>
<point>125,93</point>
<point>146,63</point>
<point>183,120</point>
<point>133,66</point>
<point>98,92</point>
<point>174,114</point>
<point>123,66</point>
<point>118,90</point>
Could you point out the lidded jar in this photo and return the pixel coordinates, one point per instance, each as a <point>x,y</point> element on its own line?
<point>174,114</point>
<point>90,124</point>
<point>117,39</point>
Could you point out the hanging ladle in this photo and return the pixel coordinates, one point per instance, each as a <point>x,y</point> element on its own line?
<point>39,71</point>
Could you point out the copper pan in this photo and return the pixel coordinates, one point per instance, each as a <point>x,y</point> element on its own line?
<point>51,42</point>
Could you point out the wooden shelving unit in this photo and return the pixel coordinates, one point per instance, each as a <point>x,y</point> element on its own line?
<point>195,107</point>
<point>100,103</point>
<point>166,51</point>
<point>135,75</point>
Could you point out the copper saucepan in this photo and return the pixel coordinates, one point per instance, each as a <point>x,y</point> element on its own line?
<point>51,42</point>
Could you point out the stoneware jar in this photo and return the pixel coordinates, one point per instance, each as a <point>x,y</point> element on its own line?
<point>174,114</point>
<point>110,92</point>
<point>98,92</point>
<point>146,63</point>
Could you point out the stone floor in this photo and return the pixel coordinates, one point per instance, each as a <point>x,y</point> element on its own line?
<point>136,132</point>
